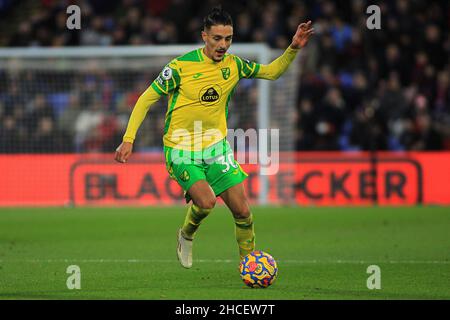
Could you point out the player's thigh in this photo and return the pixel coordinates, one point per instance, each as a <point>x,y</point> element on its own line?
<point>202,194</point>
<point>225,176</point>
<point>190,176</point>
<point>236,200</point>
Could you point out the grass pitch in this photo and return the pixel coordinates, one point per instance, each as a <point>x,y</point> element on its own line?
<point>129,253</point>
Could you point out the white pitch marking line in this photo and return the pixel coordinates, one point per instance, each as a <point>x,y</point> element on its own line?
<point>228,261</point>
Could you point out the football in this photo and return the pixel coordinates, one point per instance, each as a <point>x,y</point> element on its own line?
<point>258,269</point>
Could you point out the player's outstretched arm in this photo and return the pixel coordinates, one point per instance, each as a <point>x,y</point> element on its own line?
<point>277,67</point>
<point>149,97</point>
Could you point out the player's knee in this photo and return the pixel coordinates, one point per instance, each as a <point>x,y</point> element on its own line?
<point>242,213</point>
<point>206,203</point>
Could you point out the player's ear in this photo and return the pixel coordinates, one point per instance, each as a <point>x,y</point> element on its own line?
<point>204,35</point>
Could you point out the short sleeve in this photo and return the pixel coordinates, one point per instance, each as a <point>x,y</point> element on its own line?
<point>168,79</point>
<point>247,69</point>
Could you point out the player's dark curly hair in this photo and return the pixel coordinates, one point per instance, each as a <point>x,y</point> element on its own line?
<point>217,16</point>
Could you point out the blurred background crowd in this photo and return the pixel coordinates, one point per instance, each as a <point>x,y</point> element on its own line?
<point>359,89</point>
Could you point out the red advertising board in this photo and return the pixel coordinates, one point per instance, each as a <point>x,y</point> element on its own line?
<point>330,179</point>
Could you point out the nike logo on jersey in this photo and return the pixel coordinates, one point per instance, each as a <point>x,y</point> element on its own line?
<point>198,75</point>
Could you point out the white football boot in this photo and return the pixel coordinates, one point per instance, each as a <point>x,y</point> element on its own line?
<point>184,250</point>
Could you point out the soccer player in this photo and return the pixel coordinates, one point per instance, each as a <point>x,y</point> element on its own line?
<point>199,86</point>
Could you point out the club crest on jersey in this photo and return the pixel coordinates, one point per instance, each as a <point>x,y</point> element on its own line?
<point>225,73</point>
<point>166,74</point>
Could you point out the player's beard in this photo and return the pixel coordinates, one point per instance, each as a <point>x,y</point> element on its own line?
<point>220,53</point>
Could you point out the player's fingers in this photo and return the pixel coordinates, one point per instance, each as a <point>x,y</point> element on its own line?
<point>305,25</point>
<point>120,154</point>
<point>308,31</point>
<point>304,32</point>
<point>120,157</point>
<point>126,155</point>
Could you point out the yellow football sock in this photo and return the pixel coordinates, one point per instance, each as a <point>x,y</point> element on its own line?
<point>194,217</point>
<point>245,235</point>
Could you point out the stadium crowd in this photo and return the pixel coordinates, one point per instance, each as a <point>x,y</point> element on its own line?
<point>360,89</point>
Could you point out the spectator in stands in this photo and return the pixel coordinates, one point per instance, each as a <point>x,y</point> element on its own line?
<point>85,124</point>
<point>10,141</point>
<point>392,102</point>
<point>37,109</point>
<point>66,120</point>
<point>104,136</point>
<point>23,37</point>
<point>48,139</point>
<point>368,129</point>
<point>329,118</point>
<point>426,136</point>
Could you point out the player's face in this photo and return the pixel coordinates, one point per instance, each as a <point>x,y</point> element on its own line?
<point>217,41</point>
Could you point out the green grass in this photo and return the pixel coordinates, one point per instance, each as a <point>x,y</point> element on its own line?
<point>129,253</point>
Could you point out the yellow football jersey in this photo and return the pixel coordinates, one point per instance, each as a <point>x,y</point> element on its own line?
<point>199,91</point>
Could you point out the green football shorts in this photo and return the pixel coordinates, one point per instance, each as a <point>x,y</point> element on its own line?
<point>215,164</point>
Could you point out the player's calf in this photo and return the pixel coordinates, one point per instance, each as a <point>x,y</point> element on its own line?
<point>245,234</point>
<point>193,219</point>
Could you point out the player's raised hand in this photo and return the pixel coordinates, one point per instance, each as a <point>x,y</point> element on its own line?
<point>123,152</point>
<point>302,35</point>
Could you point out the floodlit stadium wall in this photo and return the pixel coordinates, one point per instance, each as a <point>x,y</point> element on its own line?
<point>309,179</point>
